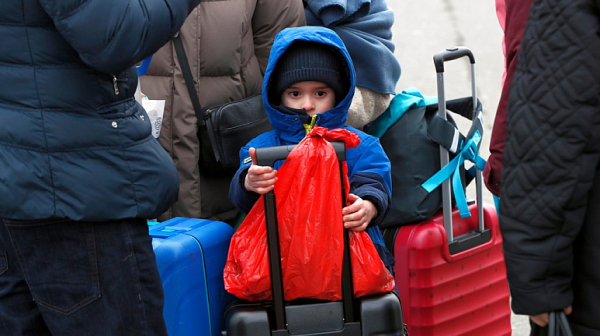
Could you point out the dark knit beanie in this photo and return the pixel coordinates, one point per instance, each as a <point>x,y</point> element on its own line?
<point>309,61</point>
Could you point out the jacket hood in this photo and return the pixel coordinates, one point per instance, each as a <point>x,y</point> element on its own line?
<point>288,126</point>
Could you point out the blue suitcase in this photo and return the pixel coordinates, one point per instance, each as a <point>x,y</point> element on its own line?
<point>191,255</point>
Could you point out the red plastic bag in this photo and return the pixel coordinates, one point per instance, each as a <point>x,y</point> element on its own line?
<point>309,212</point>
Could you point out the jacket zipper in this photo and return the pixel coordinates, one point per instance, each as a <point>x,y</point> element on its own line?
<point>115,86</point>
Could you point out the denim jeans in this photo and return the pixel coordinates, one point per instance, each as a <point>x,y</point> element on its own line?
<point>63,277</point>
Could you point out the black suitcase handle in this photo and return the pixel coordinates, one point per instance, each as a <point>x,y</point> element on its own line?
<point>267,156</point>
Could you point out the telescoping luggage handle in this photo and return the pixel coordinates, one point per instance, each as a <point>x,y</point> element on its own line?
<point>267,156</point>
<point>470,151</point>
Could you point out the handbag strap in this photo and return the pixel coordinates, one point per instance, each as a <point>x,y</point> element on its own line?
<point>189,79</point>
<point>558,325</point>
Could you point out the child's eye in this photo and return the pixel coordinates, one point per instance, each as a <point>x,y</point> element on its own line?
<point>321,93</point>
<point>294,93</point>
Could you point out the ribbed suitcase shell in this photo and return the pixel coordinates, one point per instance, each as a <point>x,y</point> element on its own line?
<point>191,255</point>
<point>461,294</point>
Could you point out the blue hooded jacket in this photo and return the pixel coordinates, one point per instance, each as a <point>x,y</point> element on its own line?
<point>368,165</point>
<point>73,141</point>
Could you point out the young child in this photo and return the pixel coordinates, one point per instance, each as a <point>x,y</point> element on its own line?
<point>310,81</point>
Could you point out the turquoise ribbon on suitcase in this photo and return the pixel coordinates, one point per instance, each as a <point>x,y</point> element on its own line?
<point>469,151</point>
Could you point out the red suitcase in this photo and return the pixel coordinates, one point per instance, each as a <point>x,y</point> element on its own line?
<point>453,281</point>
<point>465,293</point>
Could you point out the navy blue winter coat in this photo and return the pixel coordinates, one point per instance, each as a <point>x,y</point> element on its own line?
<point>73,141</point>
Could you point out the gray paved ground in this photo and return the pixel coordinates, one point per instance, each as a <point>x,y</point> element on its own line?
<point>425,27</point>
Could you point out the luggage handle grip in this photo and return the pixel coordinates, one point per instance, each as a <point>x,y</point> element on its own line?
<point>267,156</point>
<point>451,54</point>
<point>469,240</point>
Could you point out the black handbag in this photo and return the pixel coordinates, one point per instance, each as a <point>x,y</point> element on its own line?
<point>558,325</point>
<point>223,130</point>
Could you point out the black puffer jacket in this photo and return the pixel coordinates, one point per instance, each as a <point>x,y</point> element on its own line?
<point>550,198</point>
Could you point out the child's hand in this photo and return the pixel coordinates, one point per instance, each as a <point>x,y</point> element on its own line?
<point>260,179</point>
<point>358,215</point>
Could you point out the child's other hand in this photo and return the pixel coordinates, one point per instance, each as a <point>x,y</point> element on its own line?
<point>358,215</point>
<point>260,179</point>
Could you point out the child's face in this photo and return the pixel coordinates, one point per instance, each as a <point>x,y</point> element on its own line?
<point>314,97</point>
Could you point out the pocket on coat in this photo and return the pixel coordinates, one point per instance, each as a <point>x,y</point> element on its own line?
<point>59,262</point>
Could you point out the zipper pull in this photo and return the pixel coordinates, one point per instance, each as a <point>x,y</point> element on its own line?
<point>114,78</point>
<point>311,125</point>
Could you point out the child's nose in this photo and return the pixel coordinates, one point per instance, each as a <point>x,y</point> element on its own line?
<point>308,104</point>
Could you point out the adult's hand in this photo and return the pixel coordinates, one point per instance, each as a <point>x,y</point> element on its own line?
<point>542,319</point>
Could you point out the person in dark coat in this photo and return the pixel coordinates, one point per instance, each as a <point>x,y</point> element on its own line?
<point>80,170</point>
<point>550,192</point>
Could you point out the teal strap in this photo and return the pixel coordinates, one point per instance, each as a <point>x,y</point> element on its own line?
<point>468,152</point>
<point>441,175</point>
<point>497,204</point>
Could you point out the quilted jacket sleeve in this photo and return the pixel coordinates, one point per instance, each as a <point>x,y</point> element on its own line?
<point>112,35</point>
<point>270,17</point>
<point>552,152</point>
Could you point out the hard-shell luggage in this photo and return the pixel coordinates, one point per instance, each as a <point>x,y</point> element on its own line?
<point>191,255</point>
<point>379,315</point>
<point>449,270</point>
<point>444,293</point>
